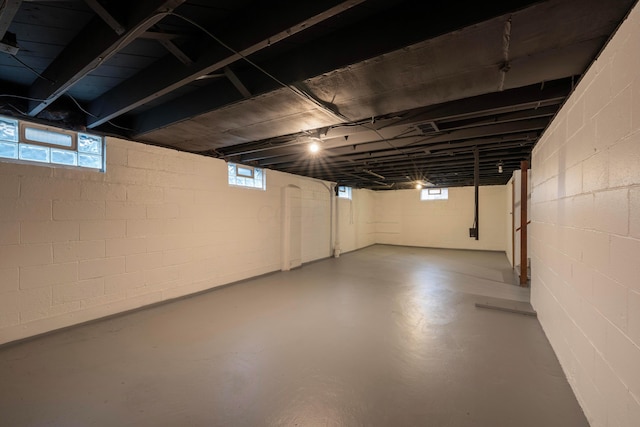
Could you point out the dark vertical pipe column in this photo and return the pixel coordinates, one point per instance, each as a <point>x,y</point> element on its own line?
<point>513,222</point>
<point>476,183</point>
<point>524,259</point>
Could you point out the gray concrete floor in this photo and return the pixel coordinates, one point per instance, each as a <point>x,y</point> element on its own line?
<point>385,336</point>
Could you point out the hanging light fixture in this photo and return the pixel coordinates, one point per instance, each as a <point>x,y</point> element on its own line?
<point>500,166</point>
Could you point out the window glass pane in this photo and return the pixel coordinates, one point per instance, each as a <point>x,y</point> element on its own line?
<point>245,176</point>
<point>8,150</point>
<point>89,161</point>
<point>34,153</point>
<point>246,172</point>
<point>434,194</point>
<point>344,192</point>
<point>89,144</point>
<point>64,157</point>
<point>8,129</point>
<point>48,137</point>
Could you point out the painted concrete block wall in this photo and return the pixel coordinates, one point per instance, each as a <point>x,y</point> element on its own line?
<point>357,225</point>
<point>403,219</point>
<point>78,245</point>
<point>509,246</point>
<point>585,234</point>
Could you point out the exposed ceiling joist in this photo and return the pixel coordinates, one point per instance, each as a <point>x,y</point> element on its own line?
<point>532,97</point>
<point>388,97</point>
<point>236,82</point>
<point>107,17</point>
<point>411,142</point>
<point>175,51</point>
<point>363,41</point>
<point>150,84</point>
<point>91,47</point>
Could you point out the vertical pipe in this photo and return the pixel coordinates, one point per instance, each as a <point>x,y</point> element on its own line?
<point>524,187</point>
<point>332,191</point>
<point>476,183</point>
<point>513,222</point>
<point>336,249</point>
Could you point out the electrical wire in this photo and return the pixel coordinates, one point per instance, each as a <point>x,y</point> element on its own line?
<point>8,95</point>
<point>28,67</point>
<point>94,116</point>
<point>17,109</point>
<point>291,88</point>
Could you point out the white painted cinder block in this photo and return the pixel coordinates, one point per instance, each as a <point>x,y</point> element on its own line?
<point>9,233</point>
<point>99,230</point>
<point>101,267</point>
<point>38,276</point>
<point>76,245</point>
<point>594,323</point>
<point>10,187</point>
<point>49,231</point>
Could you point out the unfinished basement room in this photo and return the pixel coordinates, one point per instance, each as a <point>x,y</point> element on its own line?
<point>320,213</point>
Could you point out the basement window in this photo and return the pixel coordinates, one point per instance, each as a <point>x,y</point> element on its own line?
<point>246,176</point>
<point>344,192</point>
<point>434,194</point>
<point>34,143</point>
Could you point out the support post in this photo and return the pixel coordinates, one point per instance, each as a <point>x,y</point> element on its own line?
<point>524,259</point>
<point>476,183</point>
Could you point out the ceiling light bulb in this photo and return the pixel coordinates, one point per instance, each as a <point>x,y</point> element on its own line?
<point>314,147</point>
<point>499,168</point>
<point>418,186</point>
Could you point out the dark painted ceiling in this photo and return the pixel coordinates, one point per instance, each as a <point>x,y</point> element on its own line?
<point>393,91</point>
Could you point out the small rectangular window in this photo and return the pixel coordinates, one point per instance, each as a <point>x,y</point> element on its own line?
<point>344,192</point>
<point>246,176</point>
<point>244,171</point>
<point>42,135</point>
<point>30,142</point>
<point>434,194</point>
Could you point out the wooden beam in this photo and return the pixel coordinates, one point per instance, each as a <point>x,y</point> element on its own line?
<point>524,260</point>
<point>236,82</point>
<point>107,17</point>
<point>175,51</point>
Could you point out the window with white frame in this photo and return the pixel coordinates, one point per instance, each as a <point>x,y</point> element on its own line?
<point>31,142</point>
<point>246,176</point>
<point>344,192</point>
<point>434,194</point>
